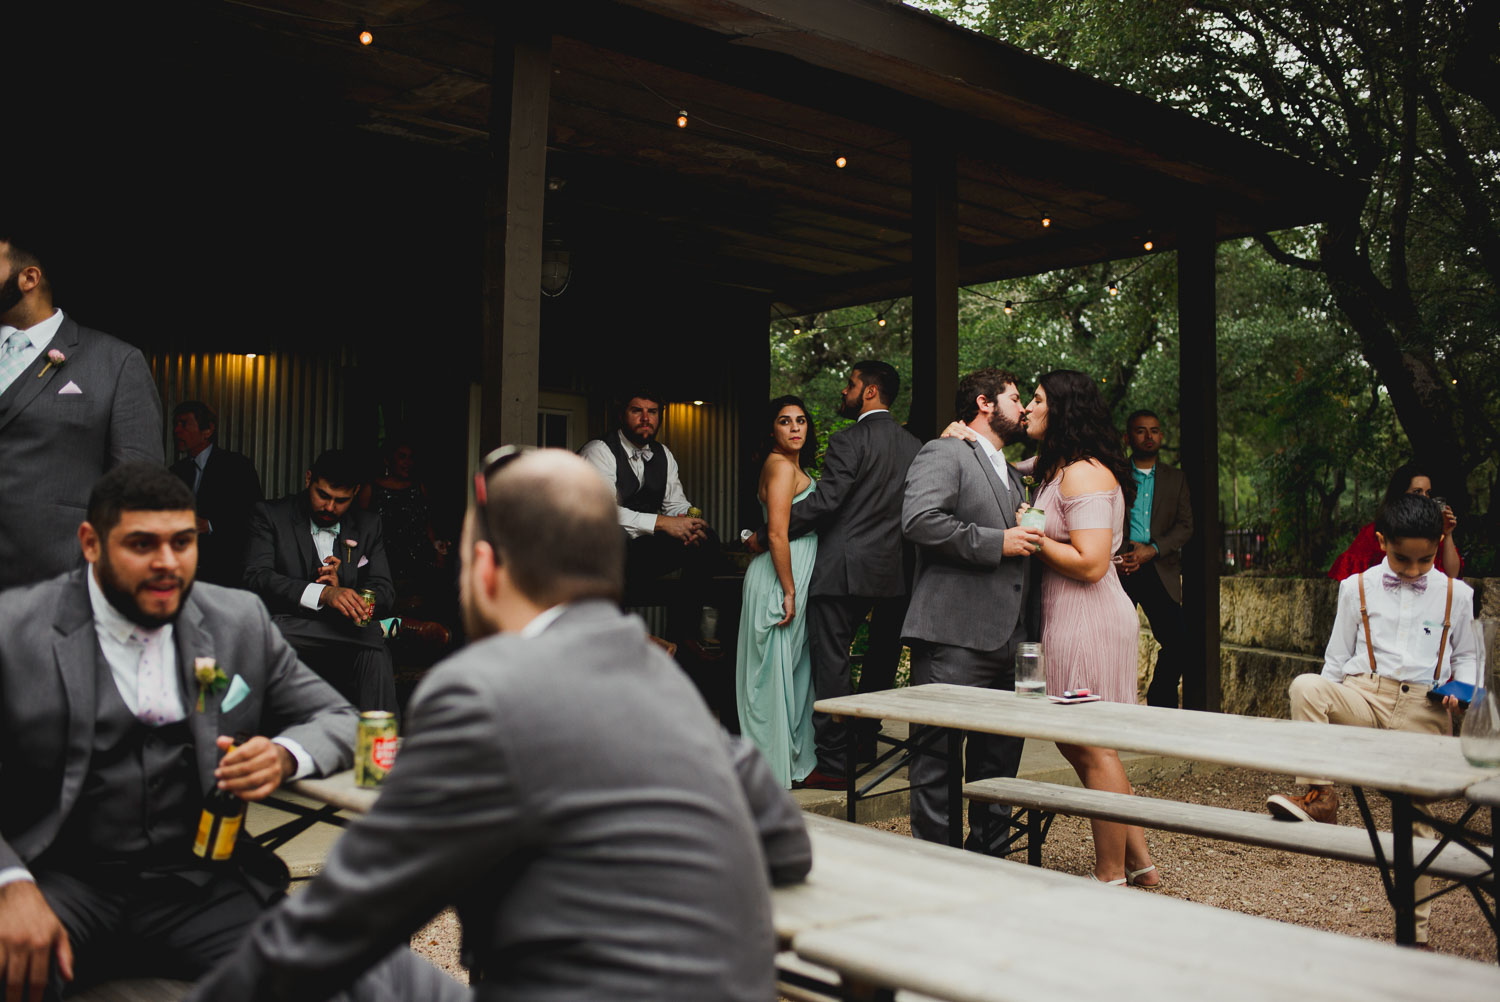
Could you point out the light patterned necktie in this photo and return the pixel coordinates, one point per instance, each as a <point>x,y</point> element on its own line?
<point>155,703</point>
<point>13,358</point>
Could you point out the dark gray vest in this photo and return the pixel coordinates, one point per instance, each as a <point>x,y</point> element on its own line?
<point>630,492</point>
<point>141,797</point>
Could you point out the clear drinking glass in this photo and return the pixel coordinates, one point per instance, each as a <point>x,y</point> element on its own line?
<point>1031,670</point>
<point>1479,737</point>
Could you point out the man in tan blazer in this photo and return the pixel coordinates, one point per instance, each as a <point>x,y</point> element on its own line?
<point>1157,527</point>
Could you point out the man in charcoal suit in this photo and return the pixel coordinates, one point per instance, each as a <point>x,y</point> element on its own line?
<point>1157,527</point>
<point>861,564</point>
<point>309,555</point>
<point>560,782</point>
<point>225,486</point>
<point>106,756</point>
<point>74,403</point>
<point>972,598</point>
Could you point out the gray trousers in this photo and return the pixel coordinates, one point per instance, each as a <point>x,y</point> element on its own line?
<point>832,621</point>
<point>362,672</point>
<point>985,755</point>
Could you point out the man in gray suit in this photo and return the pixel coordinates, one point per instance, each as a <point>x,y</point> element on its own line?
<point>308,557</point>
<point>861,564</point>
<point>1157,527</point>
<point>560,782</point>
<point>74,403</point>
<point>972,598</point>
<point>106,753</point>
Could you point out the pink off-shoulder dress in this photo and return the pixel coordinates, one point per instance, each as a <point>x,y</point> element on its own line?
<point>1090,632</point>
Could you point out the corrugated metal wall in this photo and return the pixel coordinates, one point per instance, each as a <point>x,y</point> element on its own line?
<point>280,409</point>
<point>704,440</point>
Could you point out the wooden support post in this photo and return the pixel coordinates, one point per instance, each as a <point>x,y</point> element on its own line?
<point>519,95</point>
<point>1197,353</point>
<point>934,296</point>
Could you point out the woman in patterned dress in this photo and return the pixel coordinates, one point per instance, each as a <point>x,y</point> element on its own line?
<point>1090,632</point>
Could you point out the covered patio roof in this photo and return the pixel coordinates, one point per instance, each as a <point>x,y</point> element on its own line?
<point>749,194</point>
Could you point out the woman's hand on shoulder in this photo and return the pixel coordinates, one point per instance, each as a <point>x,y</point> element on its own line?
<point>1085,477</point>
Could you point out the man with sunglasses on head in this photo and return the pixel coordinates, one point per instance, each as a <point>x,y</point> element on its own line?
<point>561,783</point>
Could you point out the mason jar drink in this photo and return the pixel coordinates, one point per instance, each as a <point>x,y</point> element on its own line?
<point>1034,518</point>
<point>1031,670</point>
<point>374,747</point>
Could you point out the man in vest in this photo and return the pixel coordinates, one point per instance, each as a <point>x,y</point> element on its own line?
<point>661,536</point>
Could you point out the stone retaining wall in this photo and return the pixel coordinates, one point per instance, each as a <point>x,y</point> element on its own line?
<point>1273,629</point>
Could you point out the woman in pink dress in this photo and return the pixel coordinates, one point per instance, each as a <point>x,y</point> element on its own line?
<point>1090,632</point>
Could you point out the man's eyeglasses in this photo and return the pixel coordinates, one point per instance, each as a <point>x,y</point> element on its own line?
<point>491,464</point>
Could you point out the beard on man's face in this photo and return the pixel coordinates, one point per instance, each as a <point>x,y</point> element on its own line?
<point>10,292</point>
<point>1007,429</point>
<point>124,600</point>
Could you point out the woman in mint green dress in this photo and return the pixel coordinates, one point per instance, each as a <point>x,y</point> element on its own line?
<point>773,675</point>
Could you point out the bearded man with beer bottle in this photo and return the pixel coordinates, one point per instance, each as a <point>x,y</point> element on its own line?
<point>121,684</point>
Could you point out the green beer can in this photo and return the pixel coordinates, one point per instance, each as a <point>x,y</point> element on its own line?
<point>374,748</point>
<point>368,598</point>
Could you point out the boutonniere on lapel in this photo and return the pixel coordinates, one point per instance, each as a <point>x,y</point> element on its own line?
<point>349,545</point>
<point>55,360</point>
<point>210,676</point>
<point>1028,483</point>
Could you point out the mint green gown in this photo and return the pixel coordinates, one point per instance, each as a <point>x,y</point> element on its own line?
<point>773,674</point>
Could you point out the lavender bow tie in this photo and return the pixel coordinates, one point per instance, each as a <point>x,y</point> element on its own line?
<point>1392,582</point>
<point>644,455</point>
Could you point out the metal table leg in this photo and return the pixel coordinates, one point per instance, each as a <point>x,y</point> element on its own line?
<point>956,788</point>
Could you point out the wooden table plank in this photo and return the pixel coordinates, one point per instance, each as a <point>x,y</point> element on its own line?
<point>1424,765</point>
<point>338,790</point>
<point>1486,793</point>
<point>1090,942</point>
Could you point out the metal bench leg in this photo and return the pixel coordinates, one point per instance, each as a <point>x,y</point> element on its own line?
<point>1403,880</point>
<point>956,788</point>
<point>851,780</point>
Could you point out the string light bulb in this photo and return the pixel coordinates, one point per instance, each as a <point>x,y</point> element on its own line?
<point>697,403</point>
<point>365,38</point>
<point>249,355</point>
<point>880,320</point>
<point>1113,288</point>
<point>1010,307</point>
<point>1046,222</point>
<point>682,119</point>
<point>796,329</point>
<point>1149,244</point>
<point>841,162</point>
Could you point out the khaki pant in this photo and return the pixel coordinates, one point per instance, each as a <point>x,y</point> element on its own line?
<point>1373,701</point>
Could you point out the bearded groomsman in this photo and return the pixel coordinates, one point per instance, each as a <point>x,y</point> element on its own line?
<point>972,597</point>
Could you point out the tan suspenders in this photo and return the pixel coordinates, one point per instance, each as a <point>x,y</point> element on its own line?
<point>1364,616</point>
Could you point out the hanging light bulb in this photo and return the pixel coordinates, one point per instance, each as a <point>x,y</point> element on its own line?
<point>841,162</point>
<point>1046,222</point>
<point>880,319</point>
<point>1149,244</point>
<point>1113,288</point>
<point>682,119</point>
<point>365,38</point>
<point>796,329</point>
<point>1010,307</point>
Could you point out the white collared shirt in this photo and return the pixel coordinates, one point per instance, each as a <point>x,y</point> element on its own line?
<point>638,523</point>
<point>873,410</point>
<point>1405,626</point>
<point>323,543</point>
<point>998,461</point>
<point>543,620</point>
<point>41,335</point>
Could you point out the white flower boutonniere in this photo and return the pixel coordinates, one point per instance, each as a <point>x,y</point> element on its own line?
<point>210,676</point>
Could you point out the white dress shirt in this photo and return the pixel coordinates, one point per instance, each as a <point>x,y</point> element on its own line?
<point>41,336</point>
<point>323,541</point>
<point>122,652</point>
<point>1405,626</point>
<point>638,523</point>
<point>997,460</point>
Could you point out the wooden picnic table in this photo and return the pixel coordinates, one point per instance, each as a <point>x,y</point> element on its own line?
<point>1401,765</point>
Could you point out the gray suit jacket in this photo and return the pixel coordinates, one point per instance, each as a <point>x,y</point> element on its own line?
<point>1171,525</point>
<point>53,446</point>
<point>600,835</point>
<point>49,653</point>
<point>856,510</point>
<point>966,592</point>
<point>281,561</point>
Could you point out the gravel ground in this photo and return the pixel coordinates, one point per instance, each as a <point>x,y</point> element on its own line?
<point>1303,890</point>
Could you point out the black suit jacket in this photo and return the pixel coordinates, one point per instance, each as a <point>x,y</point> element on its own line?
<point>856,510</point>
<point>281,561</point>
<point>226,497</point>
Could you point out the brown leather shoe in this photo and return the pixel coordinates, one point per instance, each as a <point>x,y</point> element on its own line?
<point>820,780</point>
<point>1319,803</point>
<point>426,631</point>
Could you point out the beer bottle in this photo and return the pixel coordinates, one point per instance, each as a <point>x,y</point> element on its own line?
<point>220,820</point>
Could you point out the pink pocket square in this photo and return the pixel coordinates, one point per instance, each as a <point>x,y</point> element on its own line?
<point>362,562</point>
<point>70,389</point>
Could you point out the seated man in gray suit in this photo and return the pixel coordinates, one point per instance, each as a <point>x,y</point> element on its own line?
<point>561,783</point>
<point>74,404</point>
<point>309,556</point>
<point>109,743</point>
<point>971,597</point>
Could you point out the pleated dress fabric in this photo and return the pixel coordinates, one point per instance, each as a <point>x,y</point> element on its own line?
<point>1090,632</point>
<point>772,668</point>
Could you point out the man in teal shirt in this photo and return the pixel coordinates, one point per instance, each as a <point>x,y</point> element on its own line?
<point>1157,526</point>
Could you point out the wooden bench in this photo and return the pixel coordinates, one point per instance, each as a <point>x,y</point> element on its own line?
<point>135,990</point>
<point>1332,841</point>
